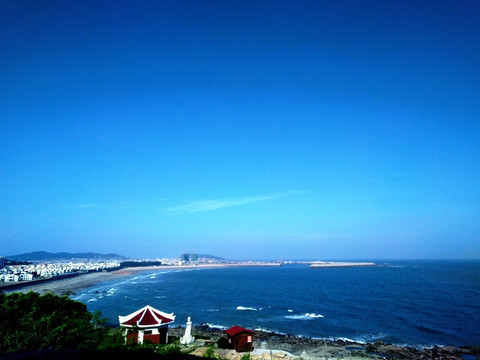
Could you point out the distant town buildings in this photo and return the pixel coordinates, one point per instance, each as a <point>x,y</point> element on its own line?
<point>186,257</point>
<point>16,273</point>
<point>13,272</point>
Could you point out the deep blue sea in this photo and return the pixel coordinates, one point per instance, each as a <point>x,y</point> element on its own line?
<point>419,303</point>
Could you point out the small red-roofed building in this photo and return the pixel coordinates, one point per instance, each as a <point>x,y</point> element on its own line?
<point>240,339</point>
<point>146,325</point>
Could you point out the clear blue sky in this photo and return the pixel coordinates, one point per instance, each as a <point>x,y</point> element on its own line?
<point>244,129</point>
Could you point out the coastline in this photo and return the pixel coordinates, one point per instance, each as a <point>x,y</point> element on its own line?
<point>63,286</point>
<point>68,285</point>
<point>286,346</point>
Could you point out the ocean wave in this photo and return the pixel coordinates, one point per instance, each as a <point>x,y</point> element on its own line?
<point>348,340</point>
<point>144,279</point>
<point>215,326</point>
<point>213,310</point>
<point>246,308</point>
<point>364,339</point>
<point>269,331</point>
<point>78,297</point>
<point>111,292</point>
<point>307,316</point>
<point>313,315</point>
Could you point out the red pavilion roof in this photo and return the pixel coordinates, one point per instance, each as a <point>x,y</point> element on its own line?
<point>147,317</point>
<point>237,330</point>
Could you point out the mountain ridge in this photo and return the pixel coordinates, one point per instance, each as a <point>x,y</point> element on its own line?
<point>45,255</point>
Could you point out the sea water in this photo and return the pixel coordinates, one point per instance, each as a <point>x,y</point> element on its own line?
<point>418,303</point>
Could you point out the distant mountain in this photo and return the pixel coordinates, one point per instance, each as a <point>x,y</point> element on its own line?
<point>203,256</point>
<point>210,257</point>
<point>45,255</point>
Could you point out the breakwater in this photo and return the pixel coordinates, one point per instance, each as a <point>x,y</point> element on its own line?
<point>330,264</point>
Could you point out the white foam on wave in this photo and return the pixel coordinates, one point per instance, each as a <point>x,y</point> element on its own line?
<point>349,340</point>
<point>246,308</point>
<point>94,299</point>
<point>216,326</point>
<point>79,297</point>
<point>111,292</point>
<point>307,316</point>
<point>363,339</point>
<point>269,331</point>
<point>313,315</point>
<point>109,288</point>
<point>290,310</point>
<point>145,278</point>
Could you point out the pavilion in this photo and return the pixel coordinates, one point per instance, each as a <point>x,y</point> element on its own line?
<point>146,325</point>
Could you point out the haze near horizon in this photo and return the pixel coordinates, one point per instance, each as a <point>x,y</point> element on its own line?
<point>242,129</point>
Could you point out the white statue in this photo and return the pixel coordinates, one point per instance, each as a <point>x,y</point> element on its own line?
<point>187,338</point>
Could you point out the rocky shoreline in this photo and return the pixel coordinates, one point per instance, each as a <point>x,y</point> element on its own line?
<point>291,346</point>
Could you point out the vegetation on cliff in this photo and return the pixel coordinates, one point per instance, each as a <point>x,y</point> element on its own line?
<point>32,322</point>
<point>34,326</point>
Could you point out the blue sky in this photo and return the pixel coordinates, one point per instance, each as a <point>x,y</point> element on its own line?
<point>244,129</point>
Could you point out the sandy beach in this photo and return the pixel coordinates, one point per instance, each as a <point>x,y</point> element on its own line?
<point>70,285</point>
<point>66,286</point>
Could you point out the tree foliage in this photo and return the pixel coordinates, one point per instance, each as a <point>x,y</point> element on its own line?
<point>33,322</point>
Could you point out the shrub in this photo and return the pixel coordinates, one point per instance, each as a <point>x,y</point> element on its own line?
<point>210,353</point>
<point>32,322</point>
<point>169,349</point>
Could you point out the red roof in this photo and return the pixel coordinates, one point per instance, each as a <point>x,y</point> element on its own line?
<point>237,330</point>
<point>147,317</point>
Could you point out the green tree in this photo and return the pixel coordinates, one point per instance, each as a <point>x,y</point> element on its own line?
<point>32,322</point>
